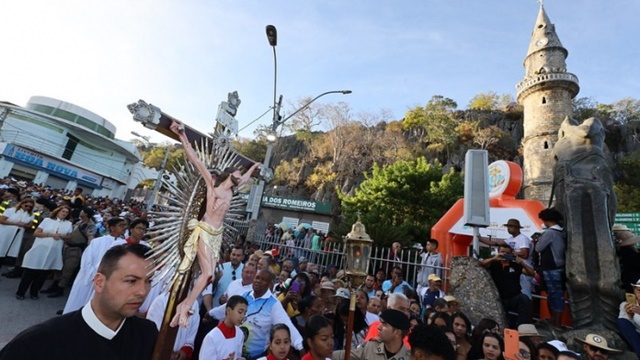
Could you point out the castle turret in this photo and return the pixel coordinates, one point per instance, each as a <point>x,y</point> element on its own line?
<point>545,93</point>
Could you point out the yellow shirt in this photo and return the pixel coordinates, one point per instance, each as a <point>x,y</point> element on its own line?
<point>290,310</point>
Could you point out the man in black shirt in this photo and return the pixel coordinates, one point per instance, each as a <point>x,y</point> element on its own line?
<point>505,269</point>
<point>106,327</point>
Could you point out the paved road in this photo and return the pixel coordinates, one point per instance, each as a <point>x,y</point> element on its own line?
<point>16,315</point>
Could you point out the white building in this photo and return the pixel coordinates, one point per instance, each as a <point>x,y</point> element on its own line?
<point>65,146</point>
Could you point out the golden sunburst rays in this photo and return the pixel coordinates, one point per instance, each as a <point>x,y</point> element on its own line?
<point>169,232</point>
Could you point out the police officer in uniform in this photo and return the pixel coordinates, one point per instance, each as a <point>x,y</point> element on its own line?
<point>393,327</point>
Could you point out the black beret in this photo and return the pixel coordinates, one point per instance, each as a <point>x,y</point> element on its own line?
<point>395,318</point>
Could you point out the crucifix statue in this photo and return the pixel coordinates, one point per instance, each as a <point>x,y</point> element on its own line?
<point>203,208</point>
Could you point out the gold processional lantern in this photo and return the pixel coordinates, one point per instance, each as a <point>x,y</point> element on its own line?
<point>357,246</point>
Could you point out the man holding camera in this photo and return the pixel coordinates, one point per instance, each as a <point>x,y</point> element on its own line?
<point>505,269</point>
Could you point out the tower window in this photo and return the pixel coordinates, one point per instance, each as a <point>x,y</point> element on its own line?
<point>546,145</point>
<point>544,100</point>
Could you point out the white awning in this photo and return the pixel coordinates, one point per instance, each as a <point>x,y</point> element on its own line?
<point>499,217</point>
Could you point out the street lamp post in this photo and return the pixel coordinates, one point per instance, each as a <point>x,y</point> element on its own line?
<point>145,138</point>
<point>265,172</point>
<point>158,183</point>
<point>156,186</point>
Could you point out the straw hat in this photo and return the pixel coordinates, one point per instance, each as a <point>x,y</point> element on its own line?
<point>599,342</point>
<point>328,285</point>
<point>620,227</point>
<point>528,330</point>
<point>450,298</point>
<point>624,236</point>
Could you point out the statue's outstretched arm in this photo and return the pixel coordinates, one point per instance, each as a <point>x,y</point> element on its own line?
<point>178,128</point>
<point>247,175</point>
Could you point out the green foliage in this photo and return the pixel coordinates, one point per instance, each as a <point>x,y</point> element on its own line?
<point>628,197</point>
<point>155,156</point>
<point>438,120</point>
<point>628,188</point>
<point>621,112</point>
<point>626,110</point>
<point>287,173</point>
<point>322,175</point>
<point>484,101</point>
<point>404,199</point>
<point>253,149</point>
<point>148,183</point>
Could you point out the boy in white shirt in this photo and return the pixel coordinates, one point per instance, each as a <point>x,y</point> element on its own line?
<point>226,340</point>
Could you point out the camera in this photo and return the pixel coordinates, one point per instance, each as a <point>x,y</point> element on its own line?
<point>509,257</point>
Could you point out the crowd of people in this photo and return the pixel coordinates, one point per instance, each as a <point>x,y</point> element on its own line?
<point>276,304</point>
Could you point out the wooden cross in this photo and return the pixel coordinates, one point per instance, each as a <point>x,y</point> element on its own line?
<point>153,118</point>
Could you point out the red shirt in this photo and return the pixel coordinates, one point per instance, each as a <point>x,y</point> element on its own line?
<point>373,333</point>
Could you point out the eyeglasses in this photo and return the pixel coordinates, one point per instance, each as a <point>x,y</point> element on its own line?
<point>597,349</point>
<point>233,275</point>
<point>525,354</point>
<point>27,206</point>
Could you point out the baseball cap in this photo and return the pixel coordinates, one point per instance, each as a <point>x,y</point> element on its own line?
<point>342,293</point>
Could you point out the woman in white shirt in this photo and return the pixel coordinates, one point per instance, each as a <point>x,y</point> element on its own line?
<point>628,322</point>
<point>46,253</point>
<point>12,225</point>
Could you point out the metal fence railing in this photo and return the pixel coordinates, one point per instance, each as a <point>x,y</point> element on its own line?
<point>333,253</point>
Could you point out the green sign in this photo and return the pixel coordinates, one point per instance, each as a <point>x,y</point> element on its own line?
<point>279,202</point>
<point>630,220</point>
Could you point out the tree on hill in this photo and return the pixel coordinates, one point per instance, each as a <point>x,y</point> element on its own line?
<point>438,121</point>
<point>253,149</point>
<point>622,111</point>
<point>484,101</point>
<point>627,187</point>
<point>154,157</point>
<point>400,202</point>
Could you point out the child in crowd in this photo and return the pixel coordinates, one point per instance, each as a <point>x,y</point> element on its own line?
<point>225,341</point>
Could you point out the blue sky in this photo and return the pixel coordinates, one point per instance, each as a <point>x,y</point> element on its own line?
<point>185,56</point>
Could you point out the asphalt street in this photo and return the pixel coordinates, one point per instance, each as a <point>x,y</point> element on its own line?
<point>17,315</point>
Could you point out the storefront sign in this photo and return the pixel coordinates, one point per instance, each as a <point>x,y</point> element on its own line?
<point>50,165</point>
<point>296,204</point>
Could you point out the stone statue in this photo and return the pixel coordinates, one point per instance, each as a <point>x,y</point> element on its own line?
<point>583,185</point>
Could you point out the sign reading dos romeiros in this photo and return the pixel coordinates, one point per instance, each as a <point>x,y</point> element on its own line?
<point>296,204</point>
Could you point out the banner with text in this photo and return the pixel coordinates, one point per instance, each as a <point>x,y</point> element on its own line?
<point>279,202</point>
<point>51,165</point>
